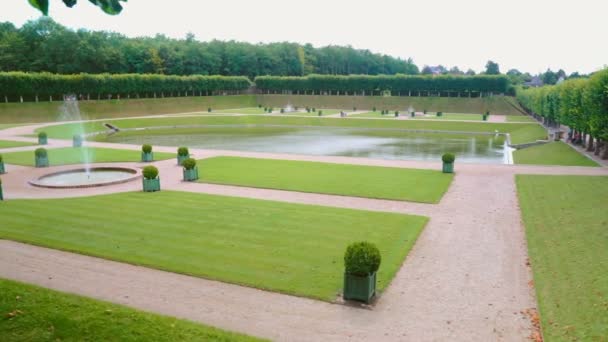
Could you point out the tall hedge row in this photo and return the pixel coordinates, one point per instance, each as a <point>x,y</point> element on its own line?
<point>394,84</point>
<point>20,84</point>
<point>581,104</point>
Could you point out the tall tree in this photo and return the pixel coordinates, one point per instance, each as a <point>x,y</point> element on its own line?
<point>492,68</point>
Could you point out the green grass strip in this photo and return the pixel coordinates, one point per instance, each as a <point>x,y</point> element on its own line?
<point>553,153</point>
<point>9,144</point>
<point>338,179</point>
<point>32,313</point>
<point>72,155</point>
<point>290,248</point>
<point>566,227</point>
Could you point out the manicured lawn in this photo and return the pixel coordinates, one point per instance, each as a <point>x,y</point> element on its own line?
<point>339,179</point>
<point>451,116</point>
<point>566,227</point>
<point>526,133</point>
<point>520,133</point>
<point>553,153</point>
<point>32,313</point>
<point>291,248</point>
<point>376,115</point>
<point>251,110</point>
<point>520,118</point>
<point>8,144</point>
<point>70,155</point>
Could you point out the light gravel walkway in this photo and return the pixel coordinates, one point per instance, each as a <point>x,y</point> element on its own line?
<point>466,278</point>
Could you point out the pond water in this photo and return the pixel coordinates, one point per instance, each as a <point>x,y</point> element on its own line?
<point>370,143</point>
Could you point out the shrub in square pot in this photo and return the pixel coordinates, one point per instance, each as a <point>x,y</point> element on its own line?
<point>77,140</point>
<point>2,168</point>
<point>151,181</point>
<point>439,114</point>
<point>1,194</point>
<point>182,154</point>
<point>412,114</point>
<point>396,113</point>
<point>209,110</point>
<point>42,138</point>
<point>146,153</point>
<point>190,170</point>
<point>361,262</point>
<point>448,162</point>
<point>320,112</point>
<point>41,157</point>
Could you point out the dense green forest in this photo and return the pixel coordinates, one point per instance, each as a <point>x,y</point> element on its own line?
<point>44,45</point>
<point>581,104</point>
<point>441,85</point>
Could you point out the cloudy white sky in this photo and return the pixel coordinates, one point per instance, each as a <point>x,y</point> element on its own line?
<point>530,35</point>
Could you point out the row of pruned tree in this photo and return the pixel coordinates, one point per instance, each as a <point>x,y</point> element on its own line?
<point>412,85</point>
<point>581,104</point>
<point>21,86</point>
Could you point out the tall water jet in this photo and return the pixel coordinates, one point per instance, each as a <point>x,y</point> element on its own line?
<point>70,111</point>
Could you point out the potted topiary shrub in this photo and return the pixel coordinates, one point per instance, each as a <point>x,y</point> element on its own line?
<point>209,109</point>
<point>307,110</point>
<point>361,262</point>
<point>182,154</point>
<point>146,153</point>
<point>151,181</point>
<point>1,194</point>
<point>439,113</point>
<point>320,112</point>
<point>354,109</point>
<point>282,110</point>
<point>2,168</point>
<point>396,113</point>
<point>413,114</point>
<point>448,162</point>
<point>77,140</point>
<point>42,138</point>
<point>374,109</point>
<point>41,157</point>
<point>190,170</point>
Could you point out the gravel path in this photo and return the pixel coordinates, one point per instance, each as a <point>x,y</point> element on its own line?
<point>466,278</point>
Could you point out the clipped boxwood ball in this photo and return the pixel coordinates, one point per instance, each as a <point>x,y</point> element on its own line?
<point>42,135</point>
<point>362,258</point>
<point>41,152</point>
<point>183,151</point>
<point>150,172</point>
<point>146,148</point>
<point>448,158</point>
<point>189,163</point>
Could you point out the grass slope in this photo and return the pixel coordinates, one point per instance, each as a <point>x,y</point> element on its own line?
<point>291,248</point>
<point>566,221</point>
<point>51,111</point>
<point>501,105</point>
<point>70,155</point>
<point>46,315</point>
<point>520,133</point>
<point>339,179</point>
<point>520,118</point>
<point>8,144</point>
<point>553,153</point>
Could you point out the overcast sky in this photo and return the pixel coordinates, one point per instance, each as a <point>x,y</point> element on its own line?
<point>530,35</point>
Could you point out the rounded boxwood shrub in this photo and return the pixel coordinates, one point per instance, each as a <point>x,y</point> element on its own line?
<point>189,163</point>
<point>362,258</point>
<point>150,172</point>
<point>282,110</point>
<point>448,158</point>
<point>146,148</point>
<point>41,152</point>
<point>183,151</point>
<point>320,112</point>
<point>374,109</point>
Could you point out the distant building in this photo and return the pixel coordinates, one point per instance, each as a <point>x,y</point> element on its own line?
<point>534,82</point>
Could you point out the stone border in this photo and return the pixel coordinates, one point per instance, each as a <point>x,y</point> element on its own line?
<point>134,172</point>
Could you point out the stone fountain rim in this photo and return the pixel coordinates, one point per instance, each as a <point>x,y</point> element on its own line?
<point>134,172</point>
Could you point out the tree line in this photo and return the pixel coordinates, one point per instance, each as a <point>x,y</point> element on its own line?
<point>581,104</point>
<point>46,46</point>
<point>21,86</point>
<point>440,85</point>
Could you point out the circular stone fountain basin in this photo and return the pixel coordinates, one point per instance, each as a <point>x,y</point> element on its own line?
<point>83,178</point>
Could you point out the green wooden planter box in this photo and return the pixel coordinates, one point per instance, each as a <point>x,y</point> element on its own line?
<point>412,114</point>
<point>77,142</point>
<point>151,185</point>
<point>1,194</point>
<point>180,159</point>
<point>2,168</point>
<point>191,175</point>
<point>42,140</point>
<point>147,157</point>
<point>359,288</point>
<point>42,161</point>
<point>448,167</point>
